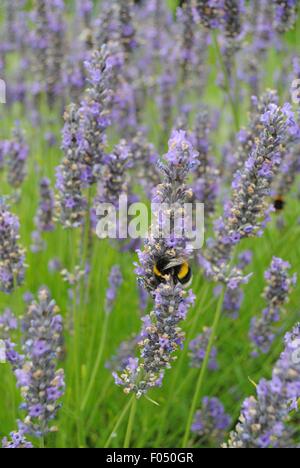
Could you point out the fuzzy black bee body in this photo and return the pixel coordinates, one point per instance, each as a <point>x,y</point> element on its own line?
<point>179,271</point>
<point>279,203</point>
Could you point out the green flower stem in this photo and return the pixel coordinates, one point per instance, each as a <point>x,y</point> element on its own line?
<point>202,374</point>
<point>119,422</point>
<point>130,422</point>
<point>97,364</point>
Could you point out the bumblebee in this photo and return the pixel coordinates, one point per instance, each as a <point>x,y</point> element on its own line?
<point>179,270</point>
<point>279,203</point>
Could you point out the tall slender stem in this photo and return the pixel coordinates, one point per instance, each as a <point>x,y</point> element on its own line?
<point>130,422</point>
<point>203,370</point>
<point>118,423</point>
<point>97,364</point>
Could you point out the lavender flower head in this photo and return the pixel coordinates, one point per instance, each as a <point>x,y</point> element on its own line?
<point>246,214</point>
<point>16,153</point>
<point>44,219</point>
<point>12,255</point>
<point>125,353</point>
<point>41,384</point>
<point>174,193</point>
<point>161,335</point>
<point>115,281</point>
<point>264,329</point>
<point>8,322</point>
<point>160,338</point>
<point>210,12</point>
<point>114,177</point>
<point>232,19</point>
<point>71,204</point>
<point>198,349</point>
<point>95,109</point>
<point>17,441</point>
<point>285,14</point>
<point>211,422</point>
<point>264,418</point>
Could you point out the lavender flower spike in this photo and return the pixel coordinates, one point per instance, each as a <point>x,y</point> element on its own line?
<point>161,335</point>
<point>71,203</point>
<point>279,284</point>
<point>115,281</point>
<point>246,214</point>
<point>95,108</point>
<point>44,219</point>
<point>41,384</point>
<point>211,422</point>
<point>210,12</point>
<point>17,441</point>
<point>12,255</point>
<point>198,349</point>
<point>264,418</point>
<point>16,153</point>
<point>285,14</point>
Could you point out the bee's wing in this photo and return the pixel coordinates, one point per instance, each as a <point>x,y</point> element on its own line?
<point>174,263</point>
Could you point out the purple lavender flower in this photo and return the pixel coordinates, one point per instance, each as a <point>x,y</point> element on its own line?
<point>210,12</point>
<point>279,285</point>
<point>205,187</point>
<point>8,322</point>
<point>12,256</point>
<point>44,219</point>
<point>44,384</point>
<point>16,153</point>
<point>198,349</point>
<point>125,352</point>
<point>211,422</point>
<point>263,421</point>
<point>160,338</point>
<point>96,107</point>
<point>17,441</point>
<point>285,14</point>
<point>71,203</point>
<point>234,297</point>
<point>161,335</point>
<point>127,27</point>
<point>115,281</point>
<point>114,175</point>
<point>245,214</point>
<point>233,10</point>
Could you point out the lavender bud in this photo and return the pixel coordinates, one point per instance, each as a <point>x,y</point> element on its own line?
<point>96,106</point>
<point>115,281</point>
<point>114,175</point>
<point>245,215</point>
<point>44,217</point>
<point>285,14</point>
<point>198,349</point>
<point>12,256</point>
<point>161,335</point>
<point>42,385</point>
<point>125,352</point>
<point>71,203</point>
<point>210,12</point>
<point>211,422</point>
<point>232,17</point>
<point>279,285</point>
<point>16,153</point>
<point>206,185</point>
<point>17,441</point>
<point>264,418</point>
